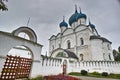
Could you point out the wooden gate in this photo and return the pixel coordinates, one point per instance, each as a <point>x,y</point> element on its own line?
<point>16,68</point>
<point>65,67</point>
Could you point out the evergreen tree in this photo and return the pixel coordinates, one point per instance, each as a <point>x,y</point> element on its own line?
<point>119,49</point>
<point>116,54</point>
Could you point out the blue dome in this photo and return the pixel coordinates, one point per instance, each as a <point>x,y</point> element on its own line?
<point>81,15</point>
<point>63,23</point>
<point>76,16</point>
<point>73,18</point>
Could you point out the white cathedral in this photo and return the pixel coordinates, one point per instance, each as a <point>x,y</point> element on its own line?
<point>80,41</point>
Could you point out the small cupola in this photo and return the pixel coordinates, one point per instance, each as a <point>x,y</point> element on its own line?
<point>92,26</point>
<point>63,25</point>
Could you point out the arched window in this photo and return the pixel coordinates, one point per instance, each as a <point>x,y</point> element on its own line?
<point>24,35</point>
<point>82,41</point>
<point>81,57</point>
<point>108,46</point>
<point>109,57</point>
<point>61,54</point>
<point>68,44</point>
<point>52,47</point>
<point>59,45</point>
<point>80,21</point>
<point>104,56</point>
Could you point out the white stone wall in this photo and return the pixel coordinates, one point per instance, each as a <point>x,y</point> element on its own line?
<point>52,45</point>
<point>66,38</point>
<point>107,50</point>
<point>97,49</point>
<point>48,66</point>
<point>62,29</point>
<point>58,41</point>
<point>83,21</point>
<point>2,60</point>
<point>83,49</point>
<point>100,50</point>
<point>98,66</point>
<point>55,66</point>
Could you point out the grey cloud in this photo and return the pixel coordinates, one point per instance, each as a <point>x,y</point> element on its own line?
<point>47,14</point>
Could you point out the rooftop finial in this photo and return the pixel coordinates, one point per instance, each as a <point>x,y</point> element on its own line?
<point>75,8</point>
<point>80,10</point>
<point>28,21</point>
<point>89,21</point>
<point>63,18</point>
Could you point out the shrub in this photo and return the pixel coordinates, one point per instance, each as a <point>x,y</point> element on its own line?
<point>84,72</point>
<point>75,73</point>
<point>104,74</point>
<point>111,74</point>
<point>95,73</point>
<point>37,78</point>
<point>117,76</point>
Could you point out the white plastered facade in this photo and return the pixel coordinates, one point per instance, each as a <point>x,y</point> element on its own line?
<point>92,49</point>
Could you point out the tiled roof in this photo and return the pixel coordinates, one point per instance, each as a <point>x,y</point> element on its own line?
<point>71,54</point>
<point>98,37</point>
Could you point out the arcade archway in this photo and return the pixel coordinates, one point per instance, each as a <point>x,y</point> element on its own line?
<point>17,48</point>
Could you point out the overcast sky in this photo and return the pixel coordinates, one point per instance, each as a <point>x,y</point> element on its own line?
<point>45,16</point>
